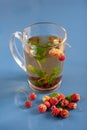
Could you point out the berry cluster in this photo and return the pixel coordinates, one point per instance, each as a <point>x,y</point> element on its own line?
<point>57,53</point>
<point>28,102</point>
<point>59,104</point>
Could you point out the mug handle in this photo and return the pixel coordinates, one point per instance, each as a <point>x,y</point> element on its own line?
<point>14,51</point>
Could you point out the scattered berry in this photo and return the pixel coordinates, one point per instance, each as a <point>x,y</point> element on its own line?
<point>55,111</point>
<point>45,98</point>
<point>75,97</point>
<point>72,105</point>
<point>28,104</point>
<point>64,113</point>
<point>60,97</point>
<point>32,96</point>
<point>64,102</point>
<point>53,101</point>
<point>42,108</point>
<point>48,105</point>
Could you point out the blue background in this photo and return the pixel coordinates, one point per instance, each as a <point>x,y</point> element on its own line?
<point>15,15</point>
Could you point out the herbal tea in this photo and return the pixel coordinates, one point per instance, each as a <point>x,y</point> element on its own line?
<point>44,56</point>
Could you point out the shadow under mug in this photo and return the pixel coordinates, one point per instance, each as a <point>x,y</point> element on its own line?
<point>43,46</point>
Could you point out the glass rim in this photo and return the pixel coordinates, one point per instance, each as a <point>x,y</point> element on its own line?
<point>50,23</point>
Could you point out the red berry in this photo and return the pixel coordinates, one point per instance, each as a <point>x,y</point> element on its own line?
<point>64,102</point>
<point>32,96</point>
<point>61,57</point>
<point>28,104</point>
<point>53,107</point>
<point>64,113</point>
<point>53,101</point>
<point>72,105</point>
<point>55,111</point>
<point>75,97</point>
<point>60,97</point>
<point>42,108</point>
<point>45,98</point>
<point>48,105</point>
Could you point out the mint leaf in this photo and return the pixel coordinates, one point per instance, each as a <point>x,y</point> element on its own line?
<point>54,75</point>
<point>41,59</point>
<point>33,43</point>
<point>36,71</point>
<point>69,97</point>
<point>55,71</point>
<point>40,52</point>
<point>54,94</point>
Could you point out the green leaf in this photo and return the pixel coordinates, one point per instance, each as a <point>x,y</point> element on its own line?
<point>69,97</point>
<point>35,71</point>
<point>31,68</point>
<point>54,74</point>
<point>54,94</point>
<point>55,71</point>
<point>40,52</point>
<point>41,59</point>
<point>34,43</point>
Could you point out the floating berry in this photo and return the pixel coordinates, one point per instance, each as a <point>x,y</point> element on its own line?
<point>60,97</point>
<point>42,108</point>
<point>61,57</point>
<point>48,105</point>
<point>64,113</point>
<point>75,97</point>
<point>64,102</point>
<point>53,101</point>
<point>54,52</point>
<point>72,105</point>
<point>28,104</point>
<point>55,111</point>
<point>45,98</point>
<point>32,96</point>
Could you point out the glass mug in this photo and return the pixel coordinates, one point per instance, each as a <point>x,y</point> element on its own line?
<point>43,57</point>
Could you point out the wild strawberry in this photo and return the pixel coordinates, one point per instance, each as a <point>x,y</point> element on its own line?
<point>48,105</point>
<point>42,108</point>
<point>45,98</point>
<point>64,113</point>
<point>53,101</point>
<point>61,57</point>
<point>72,105</point>
<point>28,104</point>
<point>55,111</point>
<point>53,107</point>
<point>64,102</point>
<point>54,52</point>
<point>60,97</point>
<point>75,97</point>
<point>32,96</point>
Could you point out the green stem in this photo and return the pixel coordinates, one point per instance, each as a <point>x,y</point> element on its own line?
<point>39,65</point>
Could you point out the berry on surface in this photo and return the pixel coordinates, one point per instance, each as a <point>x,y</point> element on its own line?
<point>72,105</point>
<point>45,98</point>
<point>64,113</point>
<point>28,104</point>
<point>48,105</point>
<point>55,111</point>
<point>42,108</point>
<point>53,101</point>
<point>32,96</point>
<point>64,102</point>
<point>60,97</point>
<point>75,97</point>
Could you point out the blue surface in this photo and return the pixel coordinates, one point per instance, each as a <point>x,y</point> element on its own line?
<point>15,15</point>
